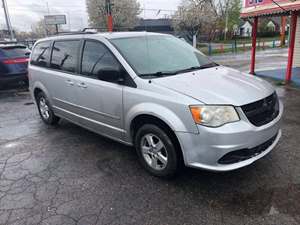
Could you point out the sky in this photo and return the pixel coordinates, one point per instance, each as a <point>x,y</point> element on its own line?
<point>25,13</point>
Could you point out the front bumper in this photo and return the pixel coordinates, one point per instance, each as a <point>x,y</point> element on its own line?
<point>205,149</point>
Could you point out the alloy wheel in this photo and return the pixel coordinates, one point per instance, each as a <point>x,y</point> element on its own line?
<point>44,108</point>
<point>154,152</point>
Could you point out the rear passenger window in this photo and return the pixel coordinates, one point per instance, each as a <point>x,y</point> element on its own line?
<point>64,55</point>
<point>41,54</point>
<point>95,58</point>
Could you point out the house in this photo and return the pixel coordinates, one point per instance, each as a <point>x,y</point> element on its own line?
<point>267,24</point>
<point>272,26</point>
<point>155,25</point>
<point>245,29</point>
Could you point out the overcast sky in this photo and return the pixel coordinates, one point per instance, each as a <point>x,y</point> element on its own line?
<point>24,13</point>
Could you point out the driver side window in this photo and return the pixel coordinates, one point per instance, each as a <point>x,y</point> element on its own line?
<point>96,59</point>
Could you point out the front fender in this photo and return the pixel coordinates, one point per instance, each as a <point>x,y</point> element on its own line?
<point>169,117</point>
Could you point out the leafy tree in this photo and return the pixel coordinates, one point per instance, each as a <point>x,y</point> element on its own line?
<point>207,16</point>
<point>125,13</point>
<point>40,29</point>
<point>193,18</point>
<point>229,11</point>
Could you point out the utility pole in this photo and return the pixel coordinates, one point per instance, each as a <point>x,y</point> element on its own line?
<point>48,10</point>
<point>108,5</point>
<point>8,24</point>
<point>45,26</point>
<point>282,31</point>
<point>226,26</point>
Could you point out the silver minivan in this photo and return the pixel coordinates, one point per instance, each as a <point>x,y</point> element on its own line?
<point>159,94</point>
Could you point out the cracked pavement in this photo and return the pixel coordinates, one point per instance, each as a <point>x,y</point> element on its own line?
<point>68,175</point>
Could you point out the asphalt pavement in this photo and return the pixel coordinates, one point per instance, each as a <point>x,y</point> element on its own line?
<point>68,175</point>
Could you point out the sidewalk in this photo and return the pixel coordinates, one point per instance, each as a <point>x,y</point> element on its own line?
<point>269,63</point>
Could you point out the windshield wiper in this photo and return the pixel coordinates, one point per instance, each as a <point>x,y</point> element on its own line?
<point>209,65</point>
<point>189,69</point>
<point>158,74</point>
<point>169,73</point>
<point>193,68</point>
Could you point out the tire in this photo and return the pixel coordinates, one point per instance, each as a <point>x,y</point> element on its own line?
<point>167,156</point>
<point>45,110</point>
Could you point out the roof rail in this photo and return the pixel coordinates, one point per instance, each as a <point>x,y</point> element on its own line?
<point>75,32</point>
<point>94,28</point>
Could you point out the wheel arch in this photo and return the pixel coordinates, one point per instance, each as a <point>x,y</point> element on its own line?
<point>143,119</point>
<point>158,111</point>
<point>39,87</point>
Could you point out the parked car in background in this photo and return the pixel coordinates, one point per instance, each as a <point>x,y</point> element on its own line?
<point>13,63</point>
<point>159,94</point>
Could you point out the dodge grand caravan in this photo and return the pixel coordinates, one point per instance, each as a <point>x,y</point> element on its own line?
<point>159,94</point>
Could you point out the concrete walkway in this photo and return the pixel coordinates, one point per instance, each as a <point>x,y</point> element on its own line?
<point>269,63</point>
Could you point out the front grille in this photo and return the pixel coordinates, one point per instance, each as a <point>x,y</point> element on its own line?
<point>244,154</point>
<point>263,111</point>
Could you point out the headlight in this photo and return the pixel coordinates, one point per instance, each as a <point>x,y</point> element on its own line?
<point>214,115</point>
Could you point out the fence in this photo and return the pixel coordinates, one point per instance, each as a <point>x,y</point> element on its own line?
<point>234,46</point>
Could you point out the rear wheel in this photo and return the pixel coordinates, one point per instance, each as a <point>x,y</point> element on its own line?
<point>45,110</point>
<point>156,151</point>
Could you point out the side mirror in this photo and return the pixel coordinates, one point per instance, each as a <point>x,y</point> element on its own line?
<point>115,75</point>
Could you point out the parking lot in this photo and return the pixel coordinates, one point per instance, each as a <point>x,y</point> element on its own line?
<point>68,175</point>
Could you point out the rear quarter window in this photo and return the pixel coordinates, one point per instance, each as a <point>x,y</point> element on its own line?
<point>41,54</point>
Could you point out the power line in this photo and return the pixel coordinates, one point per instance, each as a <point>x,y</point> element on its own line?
<point>278,5</point>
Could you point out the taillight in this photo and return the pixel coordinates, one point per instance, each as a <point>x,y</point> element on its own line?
<point>16,61</point>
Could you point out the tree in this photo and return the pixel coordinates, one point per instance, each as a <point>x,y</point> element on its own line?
<point>125,13</point>
<point>230,10</point>
<point>40,29</point>
<point>207,16</point>
<point>193,18</point>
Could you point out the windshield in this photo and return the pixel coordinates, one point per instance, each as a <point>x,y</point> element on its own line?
<point>160,55</point>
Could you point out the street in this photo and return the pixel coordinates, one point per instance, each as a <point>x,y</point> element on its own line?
<point>68,175</point>
<point>265,60</point>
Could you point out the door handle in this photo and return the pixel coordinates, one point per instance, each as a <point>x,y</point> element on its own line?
<point>82,85</point>
<point>71,83</point>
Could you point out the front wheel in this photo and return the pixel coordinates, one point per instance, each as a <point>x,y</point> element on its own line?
<point>156,151</point>
<point>45,110</point>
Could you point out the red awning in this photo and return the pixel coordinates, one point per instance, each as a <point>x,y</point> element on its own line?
<point>271,9</point>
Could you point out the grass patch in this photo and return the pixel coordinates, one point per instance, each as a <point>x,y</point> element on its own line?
<point>248,40</point>
<point>216,51</point>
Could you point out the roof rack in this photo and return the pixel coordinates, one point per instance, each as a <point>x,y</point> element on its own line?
<point>84,31</point>
<point>75,32</point>
<point>94,28</point>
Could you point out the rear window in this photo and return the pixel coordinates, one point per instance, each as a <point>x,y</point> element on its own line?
<point>64,55</point>
<point>41,54</point>
<point>15,51</point>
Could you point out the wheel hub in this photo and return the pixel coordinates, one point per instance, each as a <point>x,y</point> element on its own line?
<point>44,109</point>
<point>154,151</point>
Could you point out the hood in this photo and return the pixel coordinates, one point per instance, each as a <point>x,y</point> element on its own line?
<point>218,85</point>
